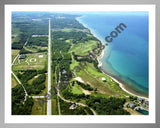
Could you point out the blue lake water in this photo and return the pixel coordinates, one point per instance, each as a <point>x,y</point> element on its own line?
<point>126,57</point>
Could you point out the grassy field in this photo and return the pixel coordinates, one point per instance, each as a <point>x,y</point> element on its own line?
<point>76,89</point>
<point>39,107</point>
<point>32,61</point>
<point>74,64</point>
<point>83,48</point>
<point>54,107</point>
<point>113,85</point>
<point>91,76</point>
<point>69,41</point>
<point>13,82</point>
<point>14,54</point>
<point>31,80</point>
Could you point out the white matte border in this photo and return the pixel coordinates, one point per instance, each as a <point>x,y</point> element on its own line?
<point>80,119</point>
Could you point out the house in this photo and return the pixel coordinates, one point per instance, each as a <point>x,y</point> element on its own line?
<point>22,56</point>
<point>132,105</point>
<point>140,99</point>
<point>64,71</point>
<point>73,106</point>
<point>146,102</point>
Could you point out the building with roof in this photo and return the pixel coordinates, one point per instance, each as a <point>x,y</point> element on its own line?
<point>132,105</point>
<point>73,106</point>
<point>22,56</point>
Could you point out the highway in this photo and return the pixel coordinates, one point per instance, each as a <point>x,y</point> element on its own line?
<point>49,69</point>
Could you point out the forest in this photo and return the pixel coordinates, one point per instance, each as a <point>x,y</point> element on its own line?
<point>107,106</point>
<point>19,106</point>
<point>37,85</point>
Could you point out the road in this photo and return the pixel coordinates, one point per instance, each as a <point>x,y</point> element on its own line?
<point>37,96</point>
<point>59,108</point>
<point>15,59</point>
<point>49,69</point>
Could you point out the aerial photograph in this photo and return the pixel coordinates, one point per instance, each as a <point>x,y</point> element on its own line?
<point>80,63</point>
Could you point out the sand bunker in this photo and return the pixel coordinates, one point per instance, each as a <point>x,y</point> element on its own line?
<point>79,79</point>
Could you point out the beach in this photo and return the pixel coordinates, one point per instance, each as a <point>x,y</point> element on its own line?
<point>121,85</point>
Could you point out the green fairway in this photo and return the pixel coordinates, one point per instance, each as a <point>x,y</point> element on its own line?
<point>76,90</point>
<point>74,64</point>
<point>94,78</point>
<point>83,48</point>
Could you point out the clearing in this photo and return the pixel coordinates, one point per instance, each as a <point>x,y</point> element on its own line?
<point>31,61</point>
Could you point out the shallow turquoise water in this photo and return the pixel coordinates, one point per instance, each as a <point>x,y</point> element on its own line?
<point>127,58</point>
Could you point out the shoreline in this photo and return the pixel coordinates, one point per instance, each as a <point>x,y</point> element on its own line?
<point>100,57</point>
<point>121,85</point>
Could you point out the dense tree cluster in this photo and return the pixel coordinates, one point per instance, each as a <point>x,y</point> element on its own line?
<point>37,85</point>
<point>88,110</point>
<point>60,45</point>
<point>66,56</point>
<point>27,27</point>
<point>66,22</point>
<point>85,86</point>
<point>24,76</point>
<point>86,59</point>
<point>65,69</point>
<point>75,36</point>
<point>44,70</point>
<point>17,94</point>
<point>32,28</point>
<point>77,111</point>
<point>56,55</point>
<point>107,106</point>
<point>22,39</point>
<point>38,41</point>
<point>19,106</point>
